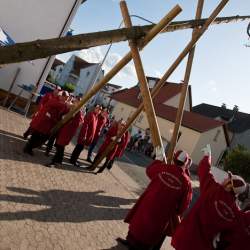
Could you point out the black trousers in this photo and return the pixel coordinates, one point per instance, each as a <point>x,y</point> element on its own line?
<point>108,164</point>
<point>91,148</point>
<point>76,153</point>
<point>36,140</point>
<point>27,132</point>
<point>58,157</point>
<point>50,143</point>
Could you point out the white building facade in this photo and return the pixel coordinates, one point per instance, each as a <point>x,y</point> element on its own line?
<point>30,21</point>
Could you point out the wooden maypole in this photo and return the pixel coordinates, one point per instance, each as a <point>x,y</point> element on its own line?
<point>125,60</point>
<point>184,89</point>
<point>29,51</point>
<point>162,81</point>
<point>145,92</point>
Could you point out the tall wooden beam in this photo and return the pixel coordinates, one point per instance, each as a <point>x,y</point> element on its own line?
<point>184,90</point>
<point>145,92</point>
<point>43,48</point>
<point>125,60</point>
<point>162,81</point>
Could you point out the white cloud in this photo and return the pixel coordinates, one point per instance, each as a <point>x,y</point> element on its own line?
<point>96,55</point>
<point>212,85</point>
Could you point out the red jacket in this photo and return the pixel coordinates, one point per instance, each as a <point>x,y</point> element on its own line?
<point>119,148</point>
<point>88,129</point>
<point>49,115</point>
<point>122,145</point>
<point>240,237</point>
<point>214,212</point>
<point>168,194</point>
<point>67,132</point>
<point>48,96</point>
<point>101,121</point>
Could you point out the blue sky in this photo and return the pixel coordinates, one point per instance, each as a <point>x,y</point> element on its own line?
<point>221,65</point>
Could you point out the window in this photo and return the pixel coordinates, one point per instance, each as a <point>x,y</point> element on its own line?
<point>217,135</point>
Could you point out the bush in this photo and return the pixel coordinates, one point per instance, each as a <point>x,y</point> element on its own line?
<point>238,162</point>
<point>69,87</point>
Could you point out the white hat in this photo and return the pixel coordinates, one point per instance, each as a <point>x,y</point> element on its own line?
<point>181,156</point>
<point>238,183</point>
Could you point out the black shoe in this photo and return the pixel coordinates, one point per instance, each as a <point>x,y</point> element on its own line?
<point>26,150</point>
<point>50,165</point>
<point>90,168</point>
<point>89,160</point>
<point>46,153</point>
<point>75,164</point>
<point>123,241</point>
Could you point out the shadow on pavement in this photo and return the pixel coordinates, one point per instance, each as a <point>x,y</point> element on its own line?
<point>11,148</point>
<point>66,206</point>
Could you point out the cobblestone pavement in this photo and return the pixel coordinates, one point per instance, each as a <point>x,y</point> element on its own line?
<point>53,208</point>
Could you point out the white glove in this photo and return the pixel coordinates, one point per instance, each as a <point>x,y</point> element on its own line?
<point>207,150</point>
<point>159,154</point>
<point>216,240</point>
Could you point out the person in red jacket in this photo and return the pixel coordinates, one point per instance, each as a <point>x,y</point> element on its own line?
<point>46,119</point>
<point>239,237</point>
<point>66,134</point>
<point>48,96</point>
<point>214,212</point>
<point>167,196</point>
<point>118,149</point>
<point>101,122</point>
<point>86,134</point>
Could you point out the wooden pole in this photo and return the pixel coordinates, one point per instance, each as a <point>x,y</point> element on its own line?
<point>152,33</point>
<point>146,96</point>
<point>184,90</point>
<point>28,51</point>
<point>162,81</point>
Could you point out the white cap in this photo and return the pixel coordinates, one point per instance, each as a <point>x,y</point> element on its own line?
<point>239,185</point>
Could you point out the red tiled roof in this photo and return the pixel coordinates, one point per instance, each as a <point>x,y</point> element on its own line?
<point>79,64</point>
<point>56,63</point>
<point>190,120</point>
<point>168,91</point>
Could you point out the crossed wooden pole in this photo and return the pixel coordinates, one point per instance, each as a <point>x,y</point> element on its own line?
<point>125,60</point>
<point>184,90</point>
<point>196,36</point>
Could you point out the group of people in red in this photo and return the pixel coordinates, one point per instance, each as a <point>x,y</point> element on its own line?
<point>216,220</point>
<point>52,108</point>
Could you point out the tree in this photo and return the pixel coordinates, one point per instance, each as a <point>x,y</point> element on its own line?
<point>238,162</point>
<point>70,87</point>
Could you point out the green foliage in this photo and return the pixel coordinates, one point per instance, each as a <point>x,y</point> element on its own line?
<point>69,87</point>
<point>238,162</point>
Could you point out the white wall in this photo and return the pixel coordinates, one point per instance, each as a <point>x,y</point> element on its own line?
<point>27,21</point>
<point>174,102</point>
<point>214,137</point>
<point>188,140</point>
